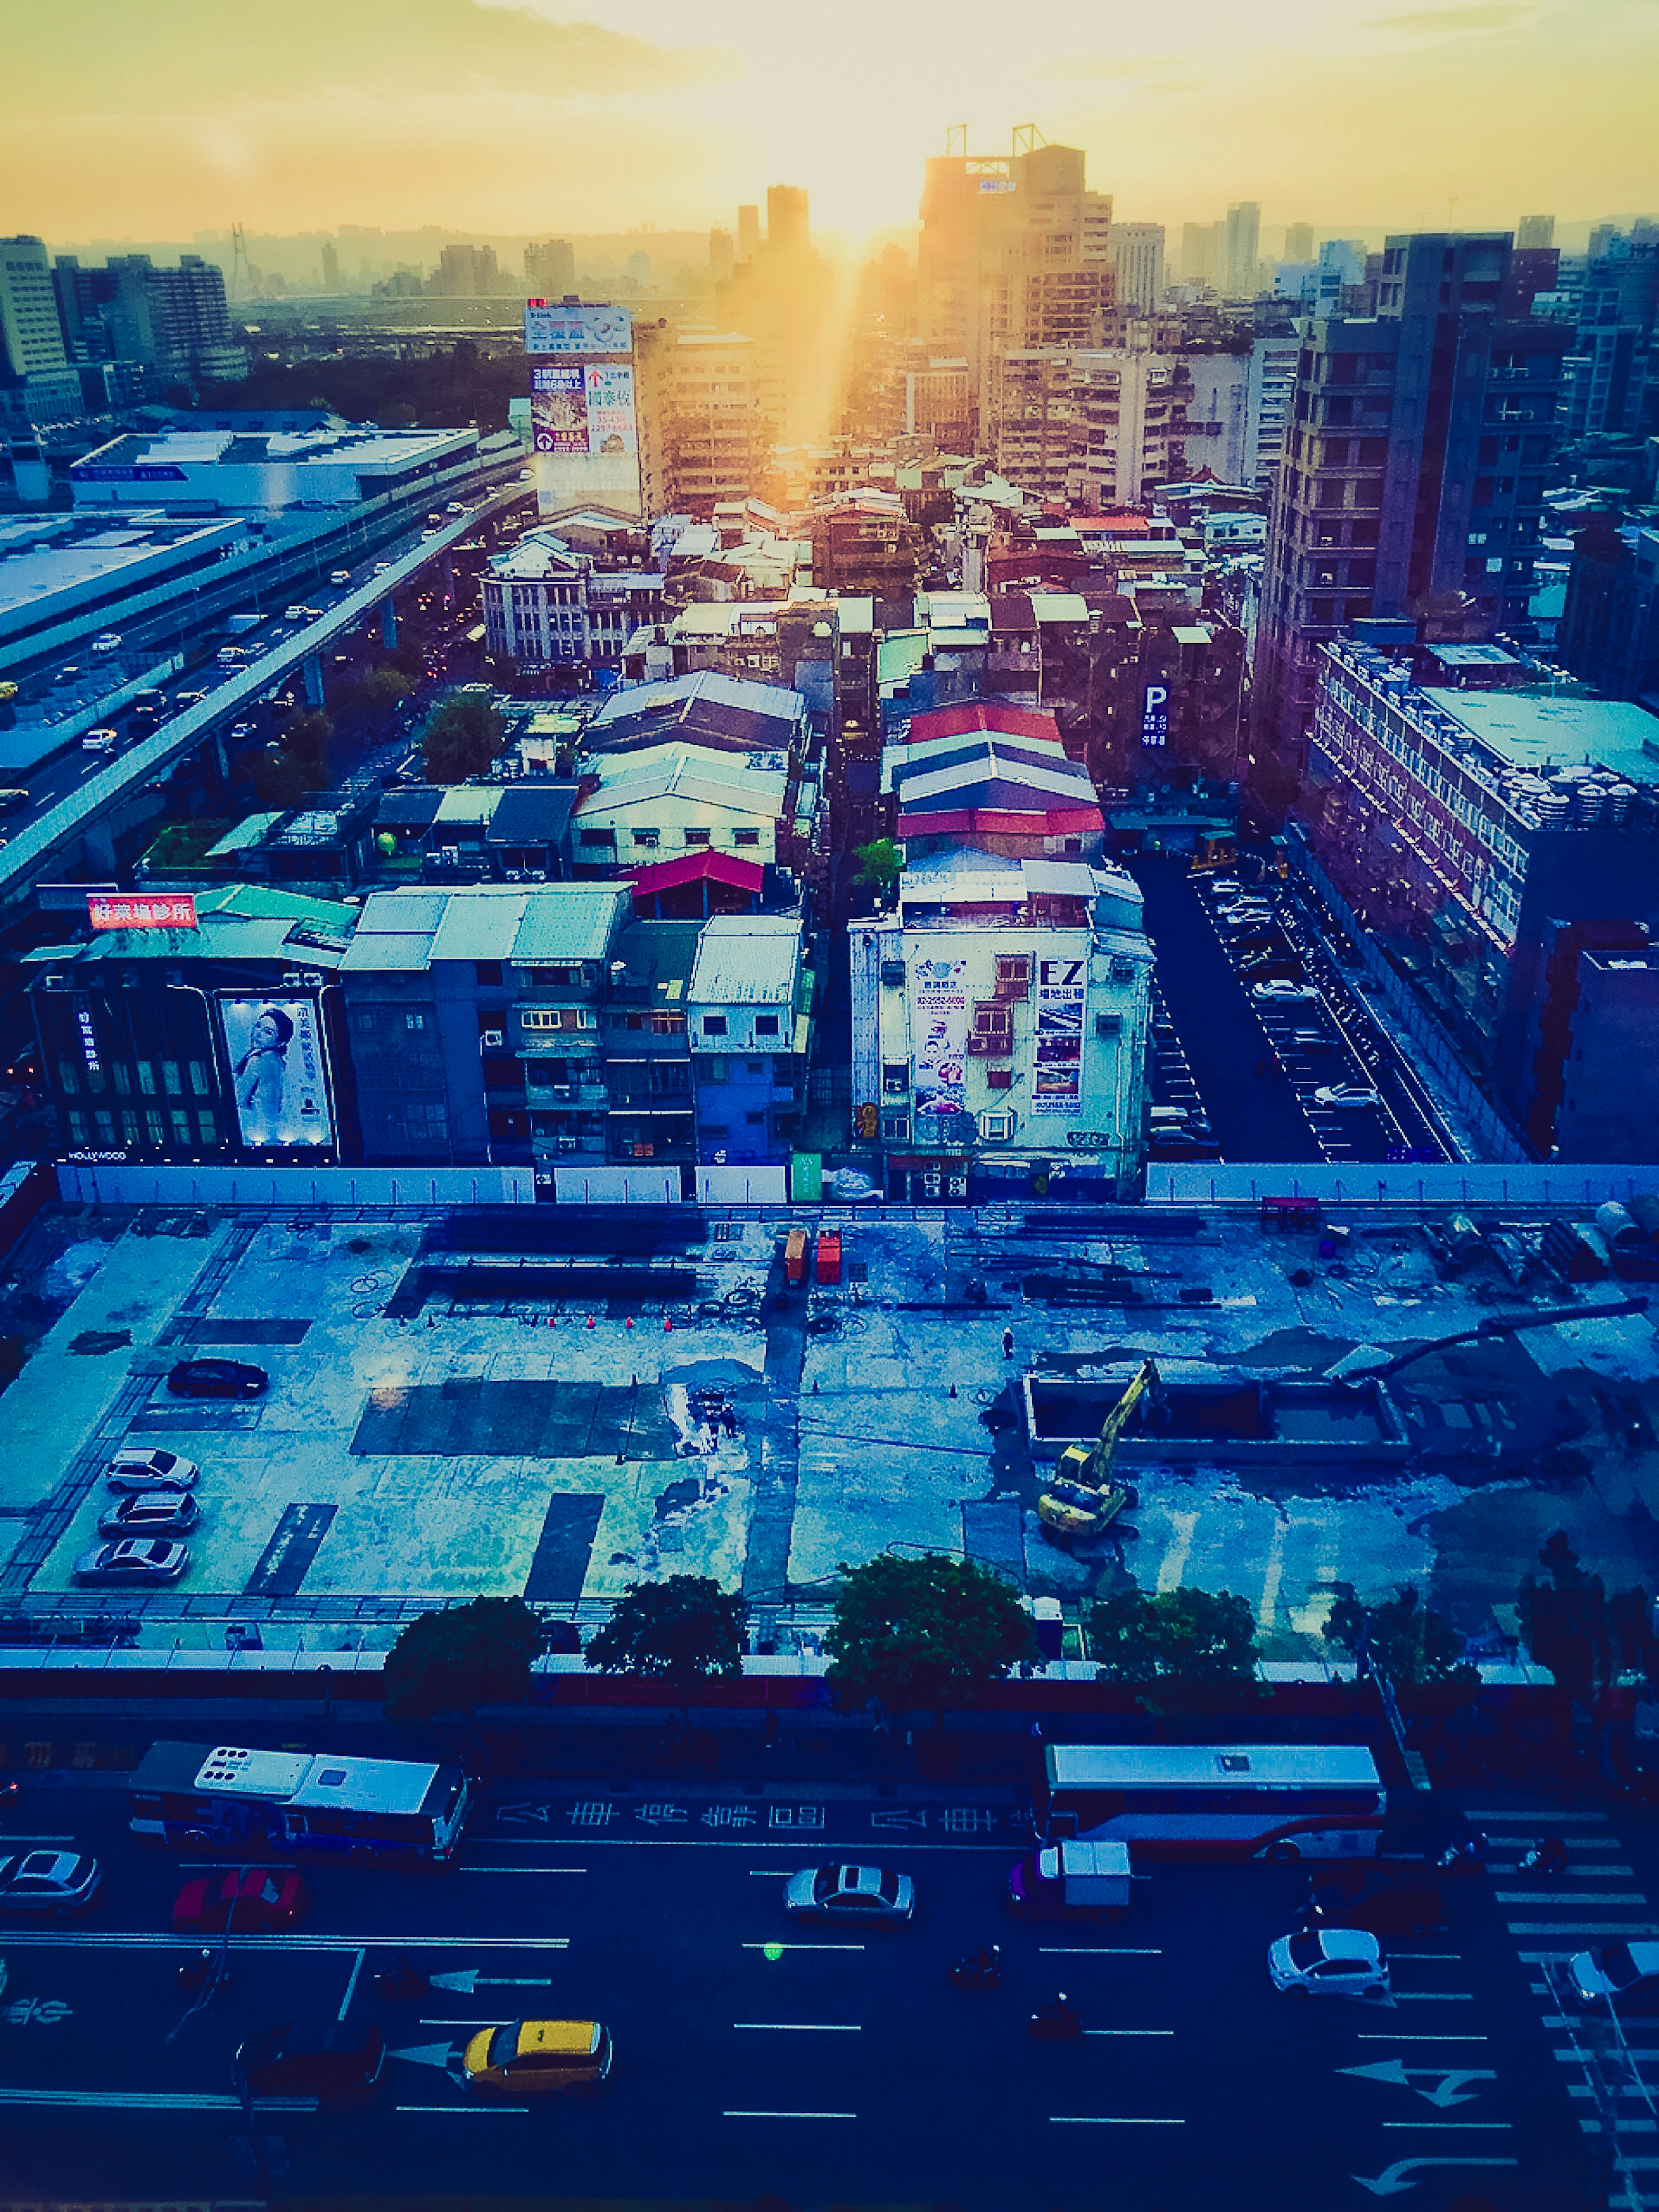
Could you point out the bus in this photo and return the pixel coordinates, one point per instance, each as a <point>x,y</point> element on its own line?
<point>1276,1801</point>
<point>204,1797</point>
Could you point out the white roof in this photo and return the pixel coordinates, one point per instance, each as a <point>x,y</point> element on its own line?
<point>373,1785</point>
<point>746,960</point>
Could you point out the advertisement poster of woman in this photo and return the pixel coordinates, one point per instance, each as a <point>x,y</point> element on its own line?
<point>276,1071</point>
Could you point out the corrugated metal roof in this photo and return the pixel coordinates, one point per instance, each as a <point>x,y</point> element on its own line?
<point>388,953</point>
<point>479,924</point>
<point>746,960</point>
<point>246,832</point>
<point>567,922</point>
<point>412,912</point>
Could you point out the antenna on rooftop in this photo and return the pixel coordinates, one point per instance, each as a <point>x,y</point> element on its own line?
<point>956,141</point>
<point>1027,139</point>
<point>241,271</point>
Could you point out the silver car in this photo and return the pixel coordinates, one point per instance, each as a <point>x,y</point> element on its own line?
<point>145,1561</point>
<point>150,1513</point>
<point>850,1894</point>
<point>52,1882</point>
<point>137,1468</point>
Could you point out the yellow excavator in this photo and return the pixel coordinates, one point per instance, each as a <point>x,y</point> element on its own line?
<point>1082,1500</point>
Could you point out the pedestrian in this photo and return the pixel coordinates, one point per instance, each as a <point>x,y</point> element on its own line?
<point>1007,1344</point>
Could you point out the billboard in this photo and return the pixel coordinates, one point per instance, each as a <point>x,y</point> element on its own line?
<point>583,407</point>
<point>576,330</point>
<point>278,1077</point>
<point>142,910</point>
<point>1057,1043</point>
<point>940,1029</point>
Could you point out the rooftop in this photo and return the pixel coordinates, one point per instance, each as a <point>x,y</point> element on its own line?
<point>747,960</point>
<point>720,710</point>
<point>541,924</point>
<point>234,921</point>
<point>1528,731</point>
<point>754,783</point>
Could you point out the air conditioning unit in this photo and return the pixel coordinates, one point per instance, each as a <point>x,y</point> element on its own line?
<point>515,875</point>
<point>493,1040</point>
<point>892,971</point>
<point>539,875</point>
<point>567,1144</point>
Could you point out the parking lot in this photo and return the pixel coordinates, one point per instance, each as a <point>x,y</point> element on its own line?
<point>757,2055</point>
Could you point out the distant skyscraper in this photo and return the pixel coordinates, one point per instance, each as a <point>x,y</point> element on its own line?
<point>31,336</point>
<point>1137,256</point>
<point>1608,377</point>
<point>330,266</point>
<point>748,233</point>
<point>722,255</point>
<point>1203,254</point>
<point>786,228</point>
<point>1298,241</point>
<point>465,272</point>
<point>1536,230</point>
<point>1243,235</point>
<point>549,269</point>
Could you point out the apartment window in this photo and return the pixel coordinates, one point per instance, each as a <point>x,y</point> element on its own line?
<point>698,836</point>
<point>487,971</point>
<point>541,1018</point>
<point>667,1025</point>
<point>154,1128</point>
<point>716,1129</point>
<point>170,1082</point>
<point>180,1122</point>
<point>552,979</point>
<point>129,1129</point>
<point>713,1026</point>
<point>745,836</point>
<point>77,1129</point>
<point>199,1079</point>
<point>66,1078</point>
<point>651,838</point>
<point>896,1128</point>
<point>124,1079</point>
<point>147,1077</point>
<point>206,1127</point>
<point>766,1026</point>
<point>757,1119</point>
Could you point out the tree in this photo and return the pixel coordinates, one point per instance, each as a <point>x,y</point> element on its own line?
<point>380,688</point>
<point>930,1631</point>
<point>881,863</point>
<point>1177,1635</point>
<point>1571,1625</point>
<point>1403,1639</point>
<point>462,737</point>
<point>477,1654</point>
<point>299,764</point>
<point>681,1629</point>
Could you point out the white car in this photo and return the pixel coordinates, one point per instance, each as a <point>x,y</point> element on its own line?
<point>136,1468</point>
<point>1624,1975</point>
<point>1281,993</point>
<point>1345,1093</point>
<point>864,1895</point>
<point>101,741</point>
<point>1330,1962</point>
<point>108,641</point>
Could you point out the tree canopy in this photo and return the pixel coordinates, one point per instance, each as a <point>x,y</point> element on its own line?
<point>1571,1625</point>
<point>924,1632</point>
<point>477,1654</point>
<point>881,863</point>
<point>679,1629</point>
<point>1177,1635</point>
<point>1400,1638</point>
<point>299,765</point>
<point>464,737</point>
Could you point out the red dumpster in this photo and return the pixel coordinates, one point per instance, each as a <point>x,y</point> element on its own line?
<point>829,1257</point>
<point>794,1256</point>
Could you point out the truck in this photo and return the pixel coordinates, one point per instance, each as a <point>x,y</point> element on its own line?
<point>1071,1878</point>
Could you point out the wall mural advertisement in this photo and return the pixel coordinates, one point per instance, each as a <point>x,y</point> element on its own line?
<point>278,1075</point>
<point>940,1029</point>
<point>1062,990</point>
<point>578,407</point>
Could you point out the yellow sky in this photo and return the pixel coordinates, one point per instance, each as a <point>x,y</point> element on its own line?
<point>164,117</point>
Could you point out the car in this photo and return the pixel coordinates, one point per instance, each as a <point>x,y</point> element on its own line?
<point>1623,1975</point>
<point>134,1559</point>
<point>1281,993</point>
<point>188,698</point>
<point>455,508</point>
<point>540,2058</point>
<point>290,2062</point>
<point>69,674</point>
<point>104,740</point>
<point>1330,1962</point>
<point>107,641</point>
<point>296,613</point>
<point>55,1883</point>
<point>249,1901</point>
<point>861,1894</point>
<point>217,1378</point>
<point>151,1513</point>
<point>244,730</point>
<point>136,1467</point>
<point>340,576</point>
<point>1245,910</point>
<point>1346,1094</point>
<point>381,568</point>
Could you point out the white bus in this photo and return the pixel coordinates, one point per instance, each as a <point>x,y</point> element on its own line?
<point>201,1797</point>
<point>1275,1801</point>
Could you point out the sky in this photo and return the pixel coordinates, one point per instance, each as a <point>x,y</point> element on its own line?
<point>164,118</point>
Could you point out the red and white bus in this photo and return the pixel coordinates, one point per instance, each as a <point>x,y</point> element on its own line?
<point>1273,1801</point>
<point>227,1798</point>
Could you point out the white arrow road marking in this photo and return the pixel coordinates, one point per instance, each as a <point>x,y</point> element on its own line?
<point>468,1979</point>
<point>1394,2071</point>
<point>426,2054</point>
<point>1394,2178</point>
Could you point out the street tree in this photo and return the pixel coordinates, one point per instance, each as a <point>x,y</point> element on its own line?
<point>1571,1625</point>
<point>298,763</point>
<point>463,1655</point>
<point>1400,1638</point>
<point>924,1632</point>
<point>680,1630</point>
<point>1176,1636</point>
<point>880,864</point>
<point>463,739</point>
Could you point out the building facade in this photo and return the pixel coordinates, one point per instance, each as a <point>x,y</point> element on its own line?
<point>749,1002</point>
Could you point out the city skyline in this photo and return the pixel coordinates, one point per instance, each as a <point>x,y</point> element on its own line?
<point>483,117</point>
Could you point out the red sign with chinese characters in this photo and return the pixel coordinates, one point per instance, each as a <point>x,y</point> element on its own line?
<point>142,910</point>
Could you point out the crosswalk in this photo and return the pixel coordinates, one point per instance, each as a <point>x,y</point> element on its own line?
<point>1593,1902</point>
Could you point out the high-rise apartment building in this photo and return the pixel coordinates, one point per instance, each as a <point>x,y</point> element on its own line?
<point>1610,372</point>
<point>722,254</point>
<point>1298,241</point>
<point>1534,230</point>
<point>787,230</point>
<point>331,267</point>
<point>1138,259</point>
<point>1243,246</point>
<point>549,269</point>
<point>37,382</point>
<point>717,433</point>
<point>465,272</point>
<point>176,321</point>
<point>1412,478</point>
<point>1204,254</point>
<point>1129,423</point>
<point>1236,408</point>
<point>1015,252</point>
<point>748,233</point>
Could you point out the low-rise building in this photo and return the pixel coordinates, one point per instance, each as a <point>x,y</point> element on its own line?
<point>549,602</point>
<point>749,1002</point>
<point>992,777</point>
<point>664,800</point>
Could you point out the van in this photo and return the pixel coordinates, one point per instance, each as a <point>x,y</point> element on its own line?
<point>101,741</point>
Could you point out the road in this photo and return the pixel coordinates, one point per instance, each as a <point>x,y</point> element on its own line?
<point>757,2055</point>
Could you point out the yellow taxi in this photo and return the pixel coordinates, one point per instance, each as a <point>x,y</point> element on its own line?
<point>540,2058</point>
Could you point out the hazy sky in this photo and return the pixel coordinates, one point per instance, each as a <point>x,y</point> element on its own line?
<point>159,118</point>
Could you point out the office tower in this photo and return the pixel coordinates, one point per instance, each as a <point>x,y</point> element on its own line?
<point>786,230</point>
<point>748,233</point>
<point>549,269</point>
<point>1610,372</point>
<point>1015,252</point>
<point>330,266</point>
<point>1243,234</point>
<point>1203,251</point>
<point>1298,241</point>
<point>1138,258</point>
<point>1412,477</point>
<point>722,255</point>
<point>1534,230</point>
<point>30,332</point>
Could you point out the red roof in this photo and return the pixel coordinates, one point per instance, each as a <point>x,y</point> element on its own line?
<point>698,867</point>
<point>981,714</point>
<point>1041,820</point>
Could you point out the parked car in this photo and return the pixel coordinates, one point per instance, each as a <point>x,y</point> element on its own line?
<point>252,1901</point>
<point>1281,993</point>
<point>138,1468</point>
<point>540,2058</point>
<point>151,1513</point>
<point>135,1560</point>
<point>1342,1094</point>
<point>1330,1962</point>
<point>53,1883</point>
<point>217,1378</point>
<point>861,1894</point>
<point>1623,1975</point>
<point>291,2061</point>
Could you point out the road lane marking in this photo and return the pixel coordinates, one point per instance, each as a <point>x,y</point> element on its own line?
<point>11,1837</point>
<point>1403,2035</point>
<point>1434,1996</point>
<point>1098,1951</point>
<point>769,1874</point>
<point>1542,1820</point>
<point>153,2100</point>
<point>1128,2031</point>
<point>494,2111</point>
<point>802,2026</point>
<point>788,2116</point>
<point>1582,1928</point>
<point>1107,2120</point>
<point>351,1986</point>
<point>1484,2127</point>
<point>1580,1872</point>
<point>142,1939</point>
<point>425,2022</point>
<point>802,1947</point>
<point>1569,1897</point>
<point>1420,1957</point>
